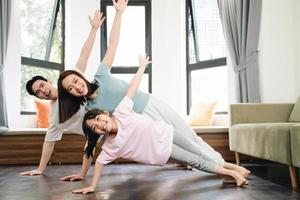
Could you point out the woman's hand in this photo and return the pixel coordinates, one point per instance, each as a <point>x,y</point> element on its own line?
<point>73,177</point>
<point>120,5</point>
<point>97,20</point>
<point>85,190</point>
<point>144,60</point>
<point>31,173</point>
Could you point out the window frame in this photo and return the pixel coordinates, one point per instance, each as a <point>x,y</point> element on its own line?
<point>205,64</point>
<point>148,39</point>
<point>33,62</point>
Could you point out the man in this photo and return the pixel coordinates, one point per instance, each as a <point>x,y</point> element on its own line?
<point>43,89</point>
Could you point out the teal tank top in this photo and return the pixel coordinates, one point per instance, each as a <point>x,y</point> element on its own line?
<point>111,91</point>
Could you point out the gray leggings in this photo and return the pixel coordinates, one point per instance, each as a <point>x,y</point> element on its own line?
<point>186,151</point>
<point>185,139</point>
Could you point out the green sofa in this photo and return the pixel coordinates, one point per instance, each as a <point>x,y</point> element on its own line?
<point>264,131</point>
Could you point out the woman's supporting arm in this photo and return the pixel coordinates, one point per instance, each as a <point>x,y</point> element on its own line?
<point>86,163</point>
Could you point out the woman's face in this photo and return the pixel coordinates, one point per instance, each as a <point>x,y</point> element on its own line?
<point>75,85</point>
<point>100,124</point>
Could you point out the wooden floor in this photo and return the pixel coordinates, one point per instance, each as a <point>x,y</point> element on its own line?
<point>135,181</point>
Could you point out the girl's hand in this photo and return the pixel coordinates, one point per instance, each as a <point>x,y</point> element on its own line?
<point>144,60</point>
<point>97,20</point>
<point>85,190</point>
<point>120,5</point>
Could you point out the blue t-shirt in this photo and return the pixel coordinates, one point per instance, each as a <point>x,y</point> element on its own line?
<point>112,90</point>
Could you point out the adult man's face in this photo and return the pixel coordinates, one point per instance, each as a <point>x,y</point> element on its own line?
<point>44,90</point>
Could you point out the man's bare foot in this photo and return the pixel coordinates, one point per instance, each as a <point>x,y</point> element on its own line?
<point>188,167</point>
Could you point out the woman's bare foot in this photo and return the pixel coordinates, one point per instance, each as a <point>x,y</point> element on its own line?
<point>243,171</point>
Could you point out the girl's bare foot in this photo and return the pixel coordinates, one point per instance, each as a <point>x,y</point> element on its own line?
<point>242,170</point>
<point>239,179</point>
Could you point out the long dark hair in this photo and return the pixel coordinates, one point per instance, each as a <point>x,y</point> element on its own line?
<point>91,137</point>
<point>69,104</point>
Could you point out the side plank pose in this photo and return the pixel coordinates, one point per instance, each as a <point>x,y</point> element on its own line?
<point>136,137</point>
<point>106,92</point>
<point>41,88</point>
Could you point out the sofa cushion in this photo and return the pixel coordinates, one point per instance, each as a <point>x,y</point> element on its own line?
<point>202,114</point>
<point>270,141</point>
<point>295,115</point>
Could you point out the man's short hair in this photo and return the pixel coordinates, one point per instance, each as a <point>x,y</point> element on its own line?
<point>30,83</point>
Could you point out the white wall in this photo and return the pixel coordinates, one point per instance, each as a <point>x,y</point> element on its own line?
<point>278,58</point>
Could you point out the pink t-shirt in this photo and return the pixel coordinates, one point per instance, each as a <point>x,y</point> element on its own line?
<point>139,138</point>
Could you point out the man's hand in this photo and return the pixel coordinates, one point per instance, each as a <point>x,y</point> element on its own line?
<point>120,5</point>
<point>31,173</point>
<point>85,190</point>
<point>97,20</point>
<point>73,177</point>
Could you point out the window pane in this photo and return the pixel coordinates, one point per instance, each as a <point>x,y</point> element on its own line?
<point>210,85</point>
<point>132,37</point>
<point>36,16</point>
<point>127,77</point>
<point>57,42</point>
<point>210,43</point>
<point>27,101</point>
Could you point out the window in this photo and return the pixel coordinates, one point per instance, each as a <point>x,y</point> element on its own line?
<point>135,39</point>
<point>42,47</point>
<point>206,61</point>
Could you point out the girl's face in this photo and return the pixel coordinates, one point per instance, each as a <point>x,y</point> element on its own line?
<point>75,85</point>
<point>100,124</point>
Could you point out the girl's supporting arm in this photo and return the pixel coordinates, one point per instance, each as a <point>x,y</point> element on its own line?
<point>98,171</point>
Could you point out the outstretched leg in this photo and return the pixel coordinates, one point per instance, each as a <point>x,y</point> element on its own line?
<point>201,163</point>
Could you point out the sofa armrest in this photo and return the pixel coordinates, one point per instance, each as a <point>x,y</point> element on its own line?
<point>260,112</point>
<point>295,145</point>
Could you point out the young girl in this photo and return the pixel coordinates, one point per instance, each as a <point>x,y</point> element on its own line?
<point>136,137</point>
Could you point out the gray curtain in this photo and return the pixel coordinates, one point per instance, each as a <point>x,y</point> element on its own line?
<point>241,26</point>
<point>5,12</point>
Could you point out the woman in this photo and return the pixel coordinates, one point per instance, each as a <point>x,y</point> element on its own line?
<point>136,137</point>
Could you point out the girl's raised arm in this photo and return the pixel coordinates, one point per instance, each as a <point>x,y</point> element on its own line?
<point>136,80</point>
